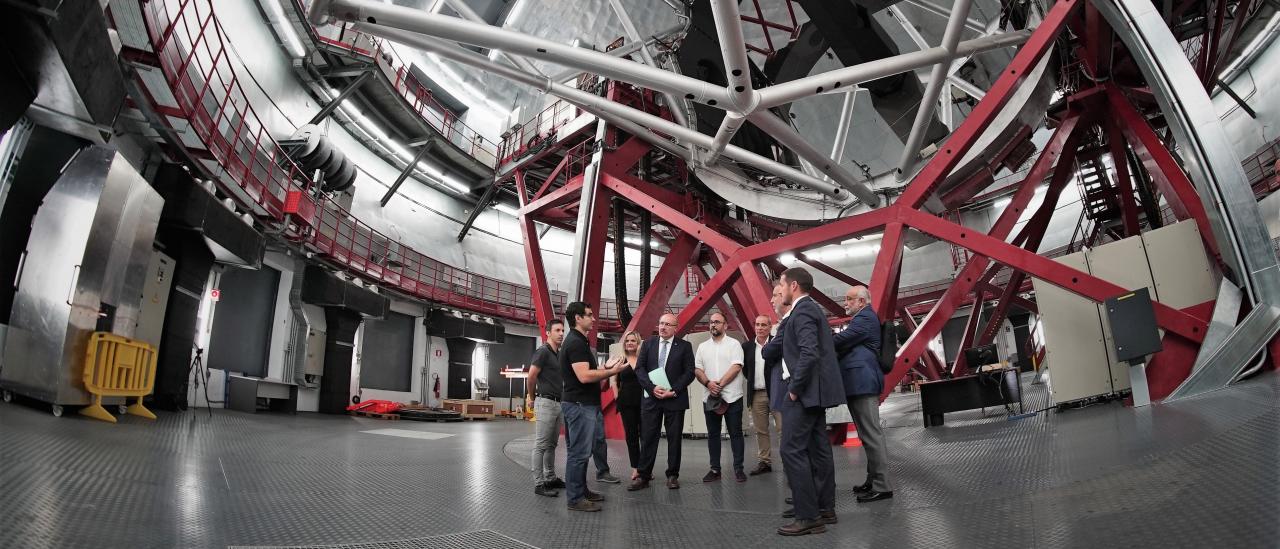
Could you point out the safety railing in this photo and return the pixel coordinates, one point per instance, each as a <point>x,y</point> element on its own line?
<point>417,95</point>
<point>1262,169</point>
<point>542,127</point>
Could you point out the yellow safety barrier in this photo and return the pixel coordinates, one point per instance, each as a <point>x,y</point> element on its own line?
<point>117,366</point>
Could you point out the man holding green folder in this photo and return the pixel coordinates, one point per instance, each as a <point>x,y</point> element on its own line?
<point>665,369</point>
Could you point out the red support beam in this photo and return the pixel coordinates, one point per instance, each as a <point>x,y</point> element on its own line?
<point>1042,39</point>
<point>570,192</point>
<point>829,270</point>
<point>1160,164</point>
<point>711,291</point>
<point>888,266</point>
<point>744,310</point>
<point>555,172</point>
<point>970,334</point>
<point>933,366</point>
<point>654,303</point>
<point>1061,145</point>
<point>732,314</point>
<point>669,214</point>
<point>828,233</point>
<point>818,296</point>
<point>1078,282</point>
<point>1124,185</point>
<point>758,291</point>
<point>543,309</point>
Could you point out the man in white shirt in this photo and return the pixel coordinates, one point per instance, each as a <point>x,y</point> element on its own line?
<point>759,385</point>
<point>717,365</point>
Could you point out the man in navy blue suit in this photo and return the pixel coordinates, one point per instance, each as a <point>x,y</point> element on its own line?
<point>663,406</point>
<point>810,367</point>
<point>859,347</point>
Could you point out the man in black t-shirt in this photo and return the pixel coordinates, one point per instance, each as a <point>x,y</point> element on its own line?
<point>580,402</point>
<point>544,398</point>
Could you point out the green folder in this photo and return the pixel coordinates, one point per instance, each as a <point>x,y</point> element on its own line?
<point>659,377</point>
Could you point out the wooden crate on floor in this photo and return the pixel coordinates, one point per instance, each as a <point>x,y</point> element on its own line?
<point>471,409</point>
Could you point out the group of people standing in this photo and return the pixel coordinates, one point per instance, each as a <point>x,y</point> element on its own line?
<point>792,372</point>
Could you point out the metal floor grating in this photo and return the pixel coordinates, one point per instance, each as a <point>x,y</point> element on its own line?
<point>1201,472</point>
<point>478,539</point>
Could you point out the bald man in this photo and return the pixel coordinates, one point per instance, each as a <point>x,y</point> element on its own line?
<point>858,347</point>
<point>662,405</point>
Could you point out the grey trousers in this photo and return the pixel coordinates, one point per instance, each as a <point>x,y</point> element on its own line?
<point>865,410</point>
<point>546,434</point>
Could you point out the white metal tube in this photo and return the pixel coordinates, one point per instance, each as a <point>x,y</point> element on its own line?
<point>677,104</point>
<point>924,115</point>
<point>790,138</point>
<point>945,108</point>
<point>787,92</point>
<point>733,48</point>
<point>586,212</point>
<point>603,106</point>
<point>488,36</point>
<point>967,87</point>
<point>842,126</point>
<point>728,127</point>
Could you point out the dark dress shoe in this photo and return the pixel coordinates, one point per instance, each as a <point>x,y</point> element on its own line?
<point>711,476</point>
<point>673,483</point>
<point>556,483</point>
<point>828,517</point>
<point>862,488</point>
<point>789,513</point>
<point>802,527</point>
<point>869,497</point>
<point>584,505</point>
<point>593,496</point>
<point>638,484</point>
<point>761,468</point>
<point>543,490</point>
<point>739,476</point>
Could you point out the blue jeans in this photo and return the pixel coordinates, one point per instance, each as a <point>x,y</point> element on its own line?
<point>732,416</point>
<point>599,449</point>
<point>580,425</point>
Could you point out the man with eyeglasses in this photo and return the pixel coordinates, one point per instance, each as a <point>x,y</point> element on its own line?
<point>717,366</point>
<point>662,405</point>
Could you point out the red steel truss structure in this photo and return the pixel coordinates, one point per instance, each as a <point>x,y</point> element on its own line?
<point>1099,117</point>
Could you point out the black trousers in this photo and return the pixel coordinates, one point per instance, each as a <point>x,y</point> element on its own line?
<point>631,426</point>
<point>732,417</point>
<point>652,419</point>
<point>807,459</point>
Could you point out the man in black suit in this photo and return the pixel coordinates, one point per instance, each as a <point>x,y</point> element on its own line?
<point>813,375</point>
<point>757,372</point>
<point>663,406</point>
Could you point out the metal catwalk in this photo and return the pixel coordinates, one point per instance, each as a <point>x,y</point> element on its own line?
<point>1200,472</point>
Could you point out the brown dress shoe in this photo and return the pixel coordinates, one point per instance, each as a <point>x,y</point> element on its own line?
<point>673,483</point>
<point>594,496</point>
<point>638,484</point>
<point>802,527</point>
<point>761,468</point>
<point>828,517</point>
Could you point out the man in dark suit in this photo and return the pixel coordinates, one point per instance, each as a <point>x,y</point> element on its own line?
<point>858,346</point>
<point>663,406</point>
<point>813,374</point>
<point>756,369</point>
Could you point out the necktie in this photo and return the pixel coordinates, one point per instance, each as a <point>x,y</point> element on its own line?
<point>662,355</point>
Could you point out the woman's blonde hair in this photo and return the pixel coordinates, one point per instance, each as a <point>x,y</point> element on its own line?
<point>639,340</point>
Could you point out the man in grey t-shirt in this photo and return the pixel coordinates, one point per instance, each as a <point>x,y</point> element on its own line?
<point>545,385</point>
